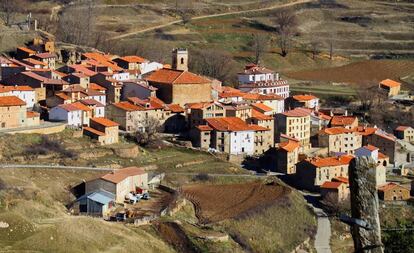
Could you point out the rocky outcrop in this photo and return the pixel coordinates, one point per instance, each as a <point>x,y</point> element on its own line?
<point>364,206</point>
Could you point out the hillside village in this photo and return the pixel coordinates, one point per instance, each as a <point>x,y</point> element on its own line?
<point>110,97</point>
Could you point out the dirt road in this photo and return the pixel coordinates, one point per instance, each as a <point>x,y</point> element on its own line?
<point>209,16</point>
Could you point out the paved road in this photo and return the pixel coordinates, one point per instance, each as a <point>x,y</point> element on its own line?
<point>323,233</point>
<point>178,21</point>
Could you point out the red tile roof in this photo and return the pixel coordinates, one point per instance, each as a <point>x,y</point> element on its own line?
<point>341,179</point>
<point>133,59</point>
<point>121,174</point>
<point>175,108</point>
<point>11,101</point>
<point>382,156</point>
<point>297,112</point>
<point>200,105</point>
<point>262,107</point>
<point>402,128</point>
<point>365,131</point>
<point>390,186</point>
<point>27,50</point>
<point>231,124</point>
<point>390,83</point>
<point>97,87</point>
<point>45,55</point>
<point>343,120</point>
<point>62,96</point>
<point>335,131</point>
<point>32,114</point>
<point>304,97</point>
<point>83,69</point>
<point>127,106</point>
<point>260,116</point>
<point>94,131</point>
<point>81,106</point>
<point>171,76</point>
<point>104,122</point>
<point>258,128</point>
<point>289,145</point>
<point>330,161</point>
<point>331,185</point>
<point>204,128</point>
<point>69,107</point>
<point>256,96</point>
<point>370,147</point>
<point>91,102</point>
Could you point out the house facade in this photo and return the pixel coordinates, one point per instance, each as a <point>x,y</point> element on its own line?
<point>339,140</point>
<point>296,124</point>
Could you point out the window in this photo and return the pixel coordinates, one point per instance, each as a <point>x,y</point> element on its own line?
<point>182,60</point>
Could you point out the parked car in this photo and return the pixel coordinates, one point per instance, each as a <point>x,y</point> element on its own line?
<point>146,196</point>
<point>120,216</point>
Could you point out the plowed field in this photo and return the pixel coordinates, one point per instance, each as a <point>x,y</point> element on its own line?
<point>214,203</point>
<point>363,73</point>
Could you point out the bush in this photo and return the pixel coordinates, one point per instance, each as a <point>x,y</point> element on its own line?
<point>201,177</point>
<point>48,146</point>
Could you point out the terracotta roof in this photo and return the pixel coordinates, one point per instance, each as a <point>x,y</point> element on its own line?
<point>335,130</point>
<point>27,50</point>
<point>200,105</point>
<point>390,83</point>
<point>231,124</point>
<point>258,128</point>
<point>402,128</point>
<point>170,76</point>
<point>262,107</point>
<point>382,156</point>
<point>260,116</point>
<point>257,96</point>
<point>104,122</point>
<point>285,136</point>
<point>32,114</point>
<point>385,135</point>
<point>390,186</point>
<point>204,128</point>
<point>230,94</point>
<point>35,76</point>
<point>127,106</point>
<point>45,55</point>
<point>330,161</point>
<point>91,102</point>
<point>365,130</point>
<point>94,131</point>
<point>11,101</point>
<point>342,120</point>
<point>83,69</point>
<point>34,62</point>
<point>102,59</point>
<point>289,145</point>
<point>62,96</point>
<point>297,112</point>
<point>331,185</point>
<point>370,147</point>
<point>304,97</point>
<point>341,179</point>
<point>121,174</point>
<point>255,69</point>
<point>69,107</point>
<point>133,59</point>
<point>175,108</point>
<point>81,106</point>
<point>97,87</point>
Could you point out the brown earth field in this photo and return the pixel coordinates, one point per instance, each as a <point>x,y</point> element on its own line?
<point>214,203</point>
<point>365,72</point>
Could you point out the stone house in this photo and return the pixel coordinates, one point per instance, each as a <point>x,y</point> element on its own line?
<point>119,182</point>
<point>313,172</point>
<point>126,114</point>
<point>48,58</point>
<point>339,140</point>
<point>390,87</point>
<point>306,101</point>
<point>198,112</point>
<point>405,133</point>
<point>103,130</point>
<point>239,110</point>
<point>263,120</point>
<point>393,192</point>
<point>12,112</point>
<point>137,88</point>
<point>287,156</point>
<point>379,158</point>
<point>335,190</point>
<point>98,109</point>
<point>296,124</point>
<point>25,93</point>
<point>180,87</point>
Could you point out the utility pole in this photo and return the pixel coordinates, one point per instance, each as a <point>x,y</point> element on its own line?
<point>365,224</point>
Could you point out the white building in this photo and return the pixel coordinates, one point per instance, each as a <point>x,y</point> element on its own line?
<point>261,80</point>
<point>25,93</point>
<point>241,142</point>
<point>68,113</point>
<point>368,151</point>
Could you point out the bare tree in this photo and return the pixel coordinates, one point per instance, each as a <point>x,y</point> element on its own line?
<point>367,97</point>
<point>260,43</point>
<point>287,27</point>
<point>213,63</point>
<point>9,9</point>
<point>331,44</point>
<point>315,47</point>
<point>147,132</point>
<point>184,9</point>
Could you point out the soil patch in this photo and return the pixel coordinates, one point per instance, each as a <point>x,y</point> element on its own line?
<point>174,235</point>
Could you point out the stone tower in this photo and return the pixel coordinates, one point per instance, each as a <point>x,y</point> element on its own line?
<point>180,59</point>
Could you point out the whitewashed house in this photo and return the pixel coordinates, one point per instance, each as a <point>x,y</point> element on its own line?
<point>262,80</point>
<point>25,93</point>
<point>68,113</point>
<point>369,151</point>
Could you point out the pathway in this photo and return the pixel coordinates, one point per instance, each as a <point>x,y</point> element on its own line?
<point>209,16</point>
